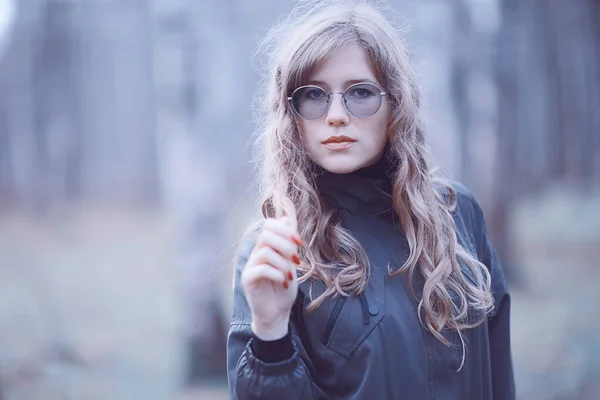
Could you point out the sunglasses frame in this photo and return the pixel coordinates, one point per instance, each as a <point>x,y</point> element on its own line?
<point>379,91</point>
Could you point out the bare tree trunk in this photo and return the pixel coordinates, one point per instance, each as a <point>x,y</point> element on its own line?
<point>459,85</point>
<point>18,100</point>
<point>507,131</point>
<point>6,174</point>
<point>7,14</point>
<point>53,127</point>
<point>594,86</point>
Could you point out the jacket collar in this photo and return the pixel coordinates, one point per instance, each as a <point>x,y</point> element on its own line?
<point>367,190</point>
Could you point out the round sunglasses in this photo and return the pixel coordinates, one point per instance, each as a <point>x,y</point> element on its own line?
<point>362,100</point>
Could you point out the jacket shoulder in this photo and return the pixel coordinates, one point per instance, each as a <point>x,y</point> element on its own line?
<point>464,197</point>
<point>465,201</point>
<point>467,214</point>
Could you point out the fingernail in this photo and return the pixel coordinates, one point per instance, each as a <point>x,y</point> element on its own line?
<point>290,276</point>
<point>285,284</point>
<point>296,259</point>
<point>297,240</point>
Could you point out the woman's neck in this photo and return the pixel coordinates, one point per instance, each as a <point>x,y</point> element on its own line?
<point>381,169</point>
<point>367,188</point>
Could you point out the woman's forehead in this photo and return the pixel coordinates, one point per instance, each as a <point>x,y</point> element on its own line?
<point>346,83</point>
<point>345,66</point>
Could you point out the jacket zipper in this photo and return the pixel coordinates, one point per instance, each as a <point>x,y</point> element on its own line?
<point>337,309</point>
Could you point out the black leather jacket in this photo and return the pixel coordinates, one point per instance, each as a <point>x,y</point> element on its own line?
<point>372,346</point>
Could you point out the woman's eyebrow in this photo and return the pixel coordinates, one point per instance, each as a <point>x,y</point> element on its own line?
<point>346,83</point>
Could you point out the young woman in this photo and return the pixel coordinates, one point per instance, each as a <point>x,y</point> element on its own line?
<point>367,278</point>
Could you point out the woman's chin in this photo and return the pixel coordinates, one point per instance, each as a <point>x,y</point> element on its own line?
<point>340,166</point>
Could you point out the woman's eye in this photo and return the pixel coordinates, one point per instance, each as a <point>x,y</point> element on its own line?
<point>361,92</point>
<point>314,94</point>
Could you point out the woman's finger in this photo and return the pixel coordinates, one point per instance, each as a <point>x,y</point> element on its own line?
<point>267,255</point>
<point>263,272</point>
<point>291,222</point>
<point>283,228</point>
<point>283,246</point>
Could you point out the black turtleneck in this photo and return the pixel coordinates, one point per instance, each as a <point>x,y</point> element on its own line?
<point>369,188</point>
<point>381,170</point>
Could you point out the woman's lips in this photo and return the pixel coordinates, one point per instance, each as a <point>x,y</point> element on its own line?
<point>338,143</point>
<point>338,146</point>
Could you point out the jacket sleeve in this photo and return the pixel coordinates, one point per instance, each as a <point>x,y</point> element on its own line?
<point>249,377</point>
<point>499,320</point>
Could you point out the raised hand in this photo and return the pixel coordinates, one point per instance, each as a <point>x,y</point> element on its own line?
<point>269,278</point>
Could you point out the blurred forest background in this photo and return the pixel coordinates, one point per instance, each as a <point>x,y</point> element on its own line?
<point>126,181</point>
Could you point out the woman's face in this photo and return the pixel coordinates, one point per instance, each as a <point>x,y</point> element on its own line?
<point>339,141</point>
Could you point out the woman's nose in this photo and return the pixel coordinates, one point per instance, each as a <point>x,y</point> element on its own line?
<point>337,113</point>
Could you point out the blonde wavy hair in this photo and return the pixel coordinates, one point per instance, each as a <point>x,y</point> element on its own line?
<point>331,254</point>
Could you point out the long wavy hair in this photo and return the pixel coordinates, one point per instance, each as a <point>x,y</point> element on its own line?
<point>423,203</point>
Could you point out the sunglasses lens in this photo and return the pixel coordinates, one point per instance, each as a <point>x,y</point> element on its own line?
<point>363,100</point>
<point>310,102</point>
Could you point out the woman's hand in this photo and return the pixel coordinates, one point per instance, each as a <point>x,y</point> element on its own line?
<point>269,278</point>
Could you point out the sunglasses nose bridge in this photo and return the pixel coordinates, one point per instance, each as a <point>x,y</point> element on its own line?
<point>330,96</point>
<point>330,101</point>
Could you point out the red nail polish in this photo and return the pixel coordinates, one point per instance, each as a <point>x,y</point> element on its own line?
<point>290,276</point>
<point>297,240</point>
<point>285,284</point>
<point>296,259</point>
